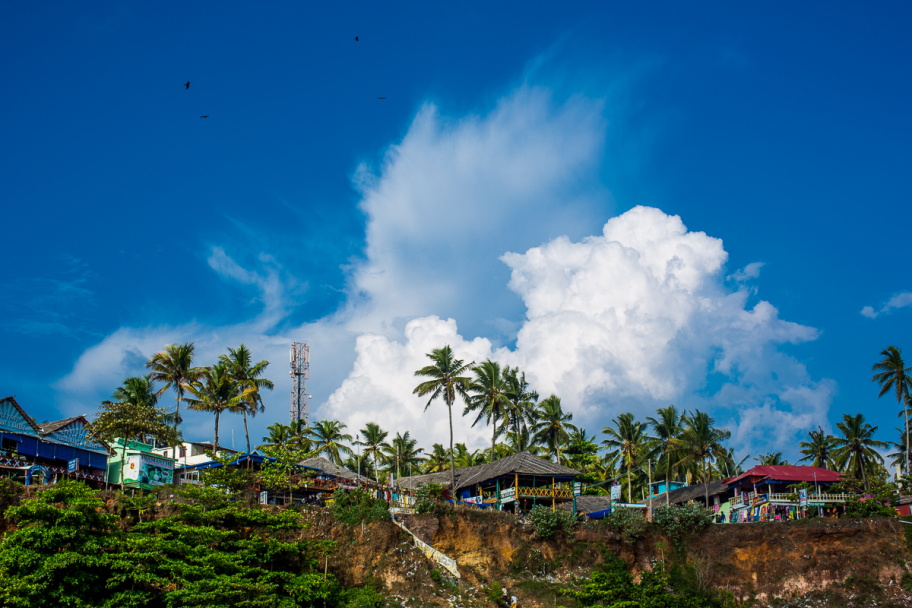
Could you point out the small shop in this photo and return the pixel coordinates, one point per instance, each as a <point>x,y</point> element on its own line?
<point>137,466</point>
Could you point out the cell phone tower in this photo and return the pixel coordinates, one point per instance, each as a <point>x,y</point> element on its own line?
<point>300,372</point>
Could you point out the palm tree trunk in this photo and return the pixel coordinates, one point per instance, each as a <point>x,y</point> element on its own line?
<point>864,476</point>
<point>629,485</point>
<point>176,416</point>
<point>706,481</point>
<point>453,460</point>
<point>906,416</point>
<point>247,435</point>
<point>215,438</point>
<point>493,439</point>
<point>667,483</point>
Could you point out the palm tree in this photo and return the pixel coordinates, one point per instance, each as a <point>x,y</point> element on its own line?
<point>520,412</point>
<point>174,367</point>
<point>401,452</point>
<point>582,451</point>
<point>328,437</point>
<point>522,441</point>
<point>552,426</point>
<point>446,381</point>
<point>465,458</point>
<point>628,441</point>
<point>771,459</point>
<point>727,467</point>
<point>438,460</point>
<point>374,441</point>
<point>248,376</point>
<point>489,397</point>
<point>700,442</point>
<point>898,458</point>
<point>818,449</point>
<point>216,391</point>
<point>279,435</point>
<point>893,375</point>
<point>666,429</point>
<point>855,449</point>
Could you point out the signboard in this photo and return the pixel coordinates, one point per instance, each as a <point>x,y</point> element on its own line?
<point>73,465</point>
<point>615,492</point>
<point>147,469</point>
<point>473,500</point>
<point>577,488</point>
<point>802,498</point>
<point>508,495</point>
<point>264,497</point>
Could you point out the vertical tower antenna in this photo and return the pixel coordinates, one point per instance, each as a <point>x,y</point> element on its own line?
<point>300,372</point>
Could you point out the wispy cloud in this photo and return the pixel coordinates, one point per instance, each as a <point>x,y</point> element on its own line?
<point>900,300</point>
<point>751,271</point>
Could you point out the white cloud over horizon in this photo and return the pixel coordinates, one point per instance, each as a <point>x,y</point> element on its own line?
<point>480,233</point>
<point>900,300</point>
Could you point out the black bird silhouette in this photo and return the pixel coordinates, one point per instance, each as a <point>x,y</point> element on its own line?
<point>356,39</point>
<point>204,117</point>
<point>187,86</point>
<point>381,98</point>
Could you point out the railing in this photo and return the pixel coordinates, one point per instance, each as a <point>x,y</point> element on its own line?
<point>545,493</point>
<point>430,552</point>
<point>748,499</point>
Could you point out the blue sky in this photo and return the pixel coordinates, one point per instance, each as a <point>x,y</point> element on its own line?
<point>305,208</point>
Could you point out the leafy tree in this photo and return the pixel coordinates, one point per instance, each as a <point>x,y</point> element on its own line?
<point>490,399</point>
<point>446,381</point>
<point>438,460</point>
<point>547,523</point>
<point>521,410</point>
<point>354,506</point>
<point>628,441</point>
<point>215,392</point>
<point>818,449</point>
<point>552,426</point>
<point>582,451</point>
<point>666,427</point>
<point>855,450</point>
<point>293,434</point>
<point>327,437</point>
<point>132,416</point>
<point>374,442</point>
<point>174,367</point>
<point>771,459</point>
<point>283,472</point>
<point>402,452</point>
<point>678,523</point>
<point>700,442</point>
<point>465,458</point>
<point>893,375</point>
<point>248,376</point>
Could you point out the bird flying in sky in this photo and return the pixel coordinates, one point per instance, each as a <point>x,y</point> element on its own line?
<point>204,116</point>
<point>187,85</point>
<point>356,39</point>
<point>381,98</point>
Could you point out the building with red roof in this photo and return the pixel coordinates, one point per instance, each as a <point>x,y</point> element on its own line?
<point>776,478</point>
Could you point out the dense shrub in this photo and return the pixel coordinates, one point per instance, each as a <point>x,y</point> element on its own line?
<point>67,552</point>
<point>678,523</point>
<point>10,494</point>
<point>868,508</point>
<point>428,499</point>
<point>354,506</point>
<point>629,523</point>
<point>547,523</point>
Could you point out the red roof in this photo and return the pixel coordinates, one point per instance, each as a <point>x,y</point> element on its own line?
<point>787,473</point>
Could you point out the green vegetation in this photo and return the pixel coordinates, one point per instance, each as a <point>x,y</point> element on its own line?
<point>67,552</point>
<point>680,523</point>
<point>355,506</point>
<point>427,499</point>
<point>547,523</point>
<point>629,523</point>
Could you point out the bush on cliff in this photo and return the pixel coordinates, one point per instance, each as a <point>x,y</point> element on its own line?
<point>67,552</point>
<point>547,523</point>
<point>629,523</point>
<point>428,497</point>
<point>678,523</point>
<point>354,506</point>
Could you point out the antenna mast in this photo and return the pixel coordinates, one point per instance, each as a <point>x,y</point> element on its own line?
<point>300,372</point>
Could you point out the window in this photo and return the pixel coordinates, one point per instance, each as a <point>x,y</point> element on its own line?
<point>183,452</point>
<point>9,445</point>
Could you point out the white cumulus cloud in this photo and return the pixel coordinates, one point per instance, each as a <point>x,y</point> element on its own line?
<point>900,300</point>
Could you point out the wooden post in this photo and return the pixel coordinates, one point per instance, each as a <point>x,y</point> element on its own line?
<point>498,494</point>
<point>516,497</point>
<point>534,497</point>
<point>553,501</point>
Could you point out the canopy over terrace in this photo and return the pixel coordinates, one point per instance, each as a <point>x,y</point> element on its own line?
<point>523,478</point>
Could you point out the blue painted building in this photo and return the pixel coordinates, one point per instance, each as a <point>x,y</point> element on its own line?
<point>28,449</point>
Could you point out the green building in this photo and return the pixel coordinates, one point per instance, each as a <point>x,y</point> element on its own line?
<point>143,469</point>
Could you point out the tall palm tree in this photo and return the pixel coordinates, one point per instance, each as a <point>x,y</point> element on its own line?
<point>327,436</point>
<point>401,452</point>
<point>727,467</point>
<point>582,451</point>
<point>520,412</point>
<point>628,440</point>
<point>489,398</point>
<point>248,376</point>
<point>174,367</point>
<point>279,435</point>
<point>552,426</point>
<point>522,441</point>
<point>374,441</point>
<point>898,458</point>
<point>216,391</point>
<point>438,460</point>
<point>666,428</point>
<point>700,442</point>
<point>855,449</point>
<point>446,381</point>
<point>893,375</point>
<point>818,449</point>
<point>465,458</point>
